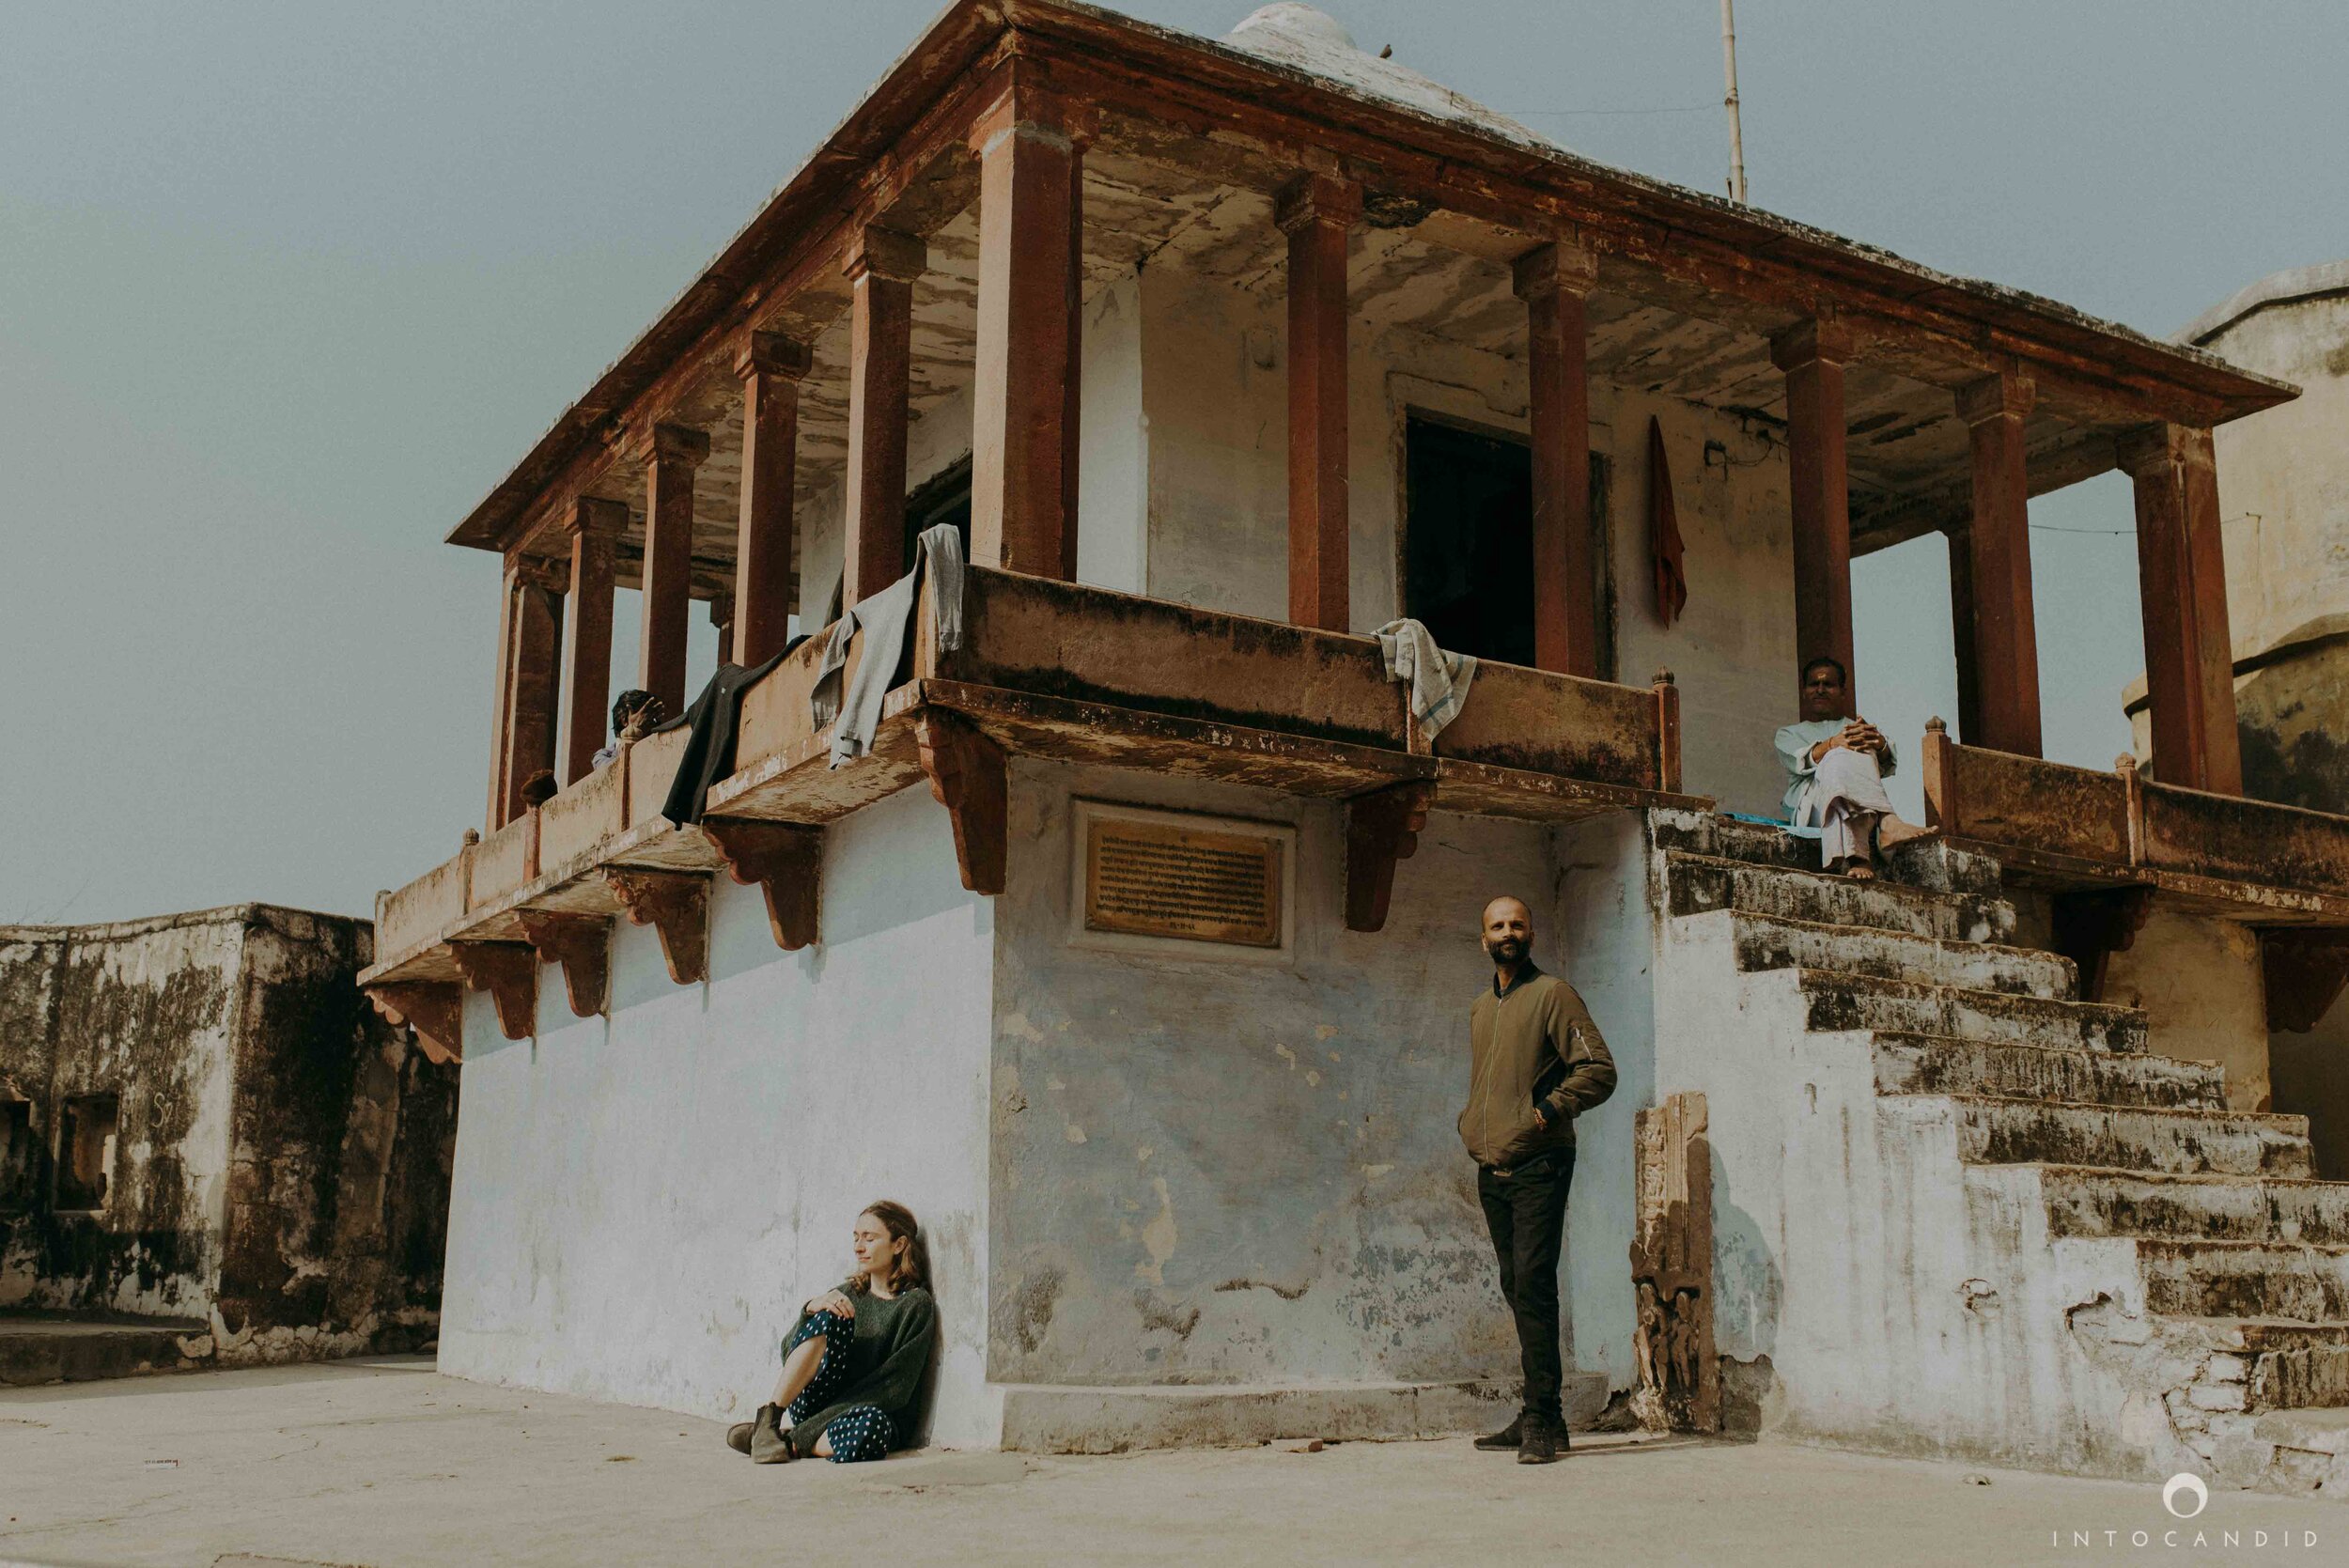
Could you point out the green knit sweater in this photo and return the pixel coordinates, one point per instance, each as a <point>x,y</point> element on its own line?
<point>891,1352</point>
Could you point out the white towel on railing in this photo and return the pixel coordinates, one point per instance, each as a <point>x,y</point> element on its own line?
<point>1438,680</point>
<point>884,618</point>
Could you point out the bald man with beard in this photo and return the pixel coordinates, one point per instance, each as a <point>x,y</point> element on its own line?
<point>1535,1063</point>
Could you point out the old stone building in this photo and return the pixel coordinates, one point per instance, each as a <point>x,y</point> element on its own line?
<point>208,1153</point>
<point>2283,498</point>
<point>1134,954</point>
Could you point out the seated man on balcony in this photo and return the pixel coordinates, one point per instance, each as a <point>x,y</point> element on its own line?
<point>632,707</point>
<point>1836,765</point>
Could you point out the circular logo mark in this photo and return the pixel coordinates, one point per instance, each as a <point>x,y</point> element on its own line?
<point>2184,1496</point>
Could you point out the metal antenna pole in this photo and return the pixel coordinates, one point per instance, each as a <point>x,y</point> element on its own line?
<point>1736,136</point>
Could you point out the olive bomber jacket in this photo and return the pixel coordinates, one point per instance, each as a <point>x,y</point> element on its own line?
<point>1531,1048</point>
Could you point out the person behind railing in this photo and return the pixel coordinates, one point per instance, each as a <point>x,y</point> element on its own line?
<point>633,707</point>
<point>539,788</point>
<point>1835,764</point>
<point>854,1363</point>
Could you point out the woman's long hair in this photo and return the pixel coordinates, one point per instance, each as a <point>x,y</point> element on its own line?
<point>913,1267</point>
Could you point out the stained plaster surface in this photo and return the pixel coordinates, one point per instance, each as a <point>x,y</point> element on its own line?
<point>1215,388</point>
<point>1219,1171</point>
<point>386,1464</point>
<point>146,1010</point>
<point>2204,996</point>
<point>643,1200</point>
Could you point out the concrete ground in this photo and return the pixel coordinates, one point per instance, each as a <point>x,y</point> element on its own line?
<point>384,1461</point>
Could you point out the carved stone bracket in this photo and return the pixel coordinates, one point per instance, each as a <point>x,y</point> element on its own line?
<point>966,774</point>
<point>676,904</point>
<point>2089,927</point>
<point>435,1009</point>
<point>2306,971</point>
<point>785,859</point>
<point>1671,1268</point>
<point>582,945</point>
<point>509,972</point>
<point>1381,828</point>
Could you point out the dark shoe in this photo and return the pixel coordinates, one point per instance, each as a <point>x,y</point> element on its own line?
<point>1505,1440</point>
<point>769,1446</point>
<point>1542,1443</point>
<point>738,1436</point>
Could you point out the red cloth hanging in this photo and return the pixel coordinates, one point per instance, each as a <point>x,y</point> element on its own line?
<point>1665,551</point>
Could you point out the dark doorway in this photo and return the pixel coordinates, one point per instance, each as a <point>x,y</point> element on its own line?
<point>1468,543</point>
<point>946,497</point>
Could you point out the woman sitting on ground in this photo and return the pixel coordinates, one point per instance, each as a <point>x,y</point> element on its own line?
<point>853,1365</point>
<point>1836,765</point>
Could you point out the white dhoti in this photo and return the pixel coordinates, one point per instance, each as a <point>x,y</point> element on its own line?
<point>1845,800</point>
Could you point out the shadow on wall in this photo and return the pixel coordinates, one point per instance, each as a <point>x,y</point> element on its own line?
<point>1748,1296</point>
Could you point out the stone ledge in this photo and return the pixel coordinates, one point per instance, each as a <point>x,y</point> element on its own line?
<point>1069,1418</point>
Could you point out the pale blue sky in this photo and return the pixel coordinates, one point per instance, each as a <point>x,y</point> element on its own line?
<point>286,288</point>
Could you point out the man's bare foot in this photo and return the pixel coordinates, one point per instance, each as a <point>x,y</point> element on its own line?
<point>1859,871</point>
<point>1895,832</point>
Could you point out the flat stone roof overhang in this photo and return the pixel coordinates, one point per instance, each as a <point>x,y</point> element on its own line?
<point>1256,124</point>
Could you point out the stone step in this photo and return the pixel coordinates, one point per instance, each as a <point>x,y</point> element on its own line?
<point>2312,1377</point>
<point>1937,1065</point>
<point>1698,884</point>
<point>2088,1203</point>
<point>1929,863</point>
<point>1775,942</point>
<point>1854,1002</point>
<point>2132,1138</point>
<point>43,1350</point>
<point>2260,1364</point>
<point>2246,1279</point>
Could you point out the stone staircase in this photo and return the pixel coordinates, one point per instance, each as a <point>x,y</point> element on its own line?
<point>1968,1213</point>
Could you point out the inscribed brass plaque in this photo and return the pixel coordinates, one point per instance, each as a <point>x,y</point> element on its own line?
<point>1158,880</point>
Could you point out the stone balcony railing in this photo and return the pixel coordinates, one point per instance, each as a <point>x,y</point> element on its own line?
<point>1046,669</point>
<point>2063,826</point>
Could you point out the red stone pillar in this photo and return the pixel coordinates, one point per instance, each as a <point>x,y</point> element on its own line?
<point>1962,634</point>
<point>1316,213</point>
<point>2006,636</point>
<point>882,265</point>
<point>595,526</point>
<point>533,603</point>
<point>2182,579</point>
<point>1554,283</point>
<point>1023,451</point>
<point>770,367</point>
<point>671,455</point>
<point>1811,353</point>
<point>501,701</point>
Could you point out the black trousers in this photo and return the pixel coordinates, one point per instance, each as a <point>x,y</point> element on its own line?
<point>1526,1211</point>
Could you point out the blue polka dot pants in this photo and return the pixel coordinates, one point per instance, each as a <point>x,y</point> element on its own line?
<point>860,1433</point>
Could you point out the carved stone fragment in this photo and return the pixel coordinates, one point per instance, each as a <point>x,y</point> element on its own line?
<point>582,945</point>
<point>674,904</point>
<point>1381,828</point>
<point>435,1009</point>
<point>509,972</point>
<point>966,774</point>
<point>786,860</point>
<point>1671,1268</point>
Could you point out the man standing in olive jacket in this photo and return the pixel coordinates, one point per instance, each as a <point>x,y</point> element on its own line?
<point>1535,1063</point>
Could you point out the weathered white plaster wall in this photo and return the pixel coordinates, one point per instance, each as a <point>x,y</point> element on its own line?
<point>1604,930</point>
<point>2283,474</point>
<point>1230,1171</point>
<point>1733,649</point>
<point>2204,995</point>
<point>1113,444</point>
<point>1215,388</point>
<point>149,1011</point>
<point>643,1200</point>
